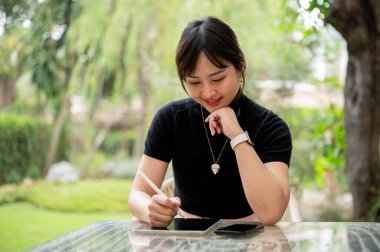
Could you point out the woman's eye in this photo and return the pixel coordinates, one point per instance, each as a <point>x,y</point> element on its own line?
<point>218,80</point>
<point>194,82</point>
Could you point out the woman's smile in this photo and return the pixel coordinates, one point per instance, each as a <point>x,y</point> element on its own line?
<point>214,102</point>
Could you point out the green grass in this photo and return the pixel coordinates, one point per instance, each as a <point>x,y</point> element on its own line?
<point>35,213</point>
<point>23,225</point>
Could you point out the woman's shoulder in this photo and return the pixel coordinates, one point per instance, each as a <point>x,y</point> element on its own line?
<point>177,105</point>
<point>171,109</point>
<point>258,112</point>
<point>249,106</point>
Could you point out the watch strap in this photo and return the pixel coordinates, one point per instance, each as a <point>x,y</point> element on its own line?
<point>243,137</point>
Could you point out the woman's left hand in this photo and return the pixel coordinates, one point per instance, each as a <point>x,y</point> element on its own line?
<point>224,121</point>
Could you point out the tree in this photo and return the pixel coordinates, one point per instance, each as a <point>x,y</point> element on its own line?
<point>14,16</point>
<point>52,70</point>
<point>358,21</point>
<point>359,24</point>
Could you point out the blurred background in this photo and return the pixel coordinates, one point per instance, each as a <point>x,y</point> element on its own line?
<point>81,80</point>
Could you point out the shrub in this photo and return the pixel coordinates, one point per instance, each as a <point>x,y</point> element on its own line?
<point>11,193</point>
<point>83,196</point>
<point>24,143</point>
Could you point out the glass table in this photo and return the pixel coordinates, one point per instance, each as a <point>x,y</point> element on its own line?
<point>285,236</point>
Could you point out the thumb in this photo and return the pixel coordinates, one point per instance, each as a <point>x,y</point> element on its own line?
<point>176,201</point>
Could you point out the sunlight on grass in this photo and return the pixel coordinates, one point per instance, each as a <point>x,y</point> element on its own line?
<point>23,225</point>
<point>49,210</point>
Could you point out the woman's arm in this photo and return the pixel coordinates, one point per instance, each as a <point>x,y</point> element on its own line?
<point>266,186</point>
<point>144,203</point>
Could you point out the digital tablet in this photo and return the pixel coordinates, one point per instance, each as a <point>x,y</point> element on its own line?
<point>181,226</point>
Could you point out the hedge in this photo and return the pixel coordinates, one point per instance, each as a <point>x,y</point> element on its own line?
<point>24,143</point>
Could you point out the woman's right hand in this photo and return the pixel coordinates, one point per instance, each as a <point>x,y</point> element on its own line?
<point>162,210</point>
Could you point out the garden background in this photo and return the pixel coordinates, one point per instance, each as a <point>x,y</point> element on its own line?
<point>81,80</point>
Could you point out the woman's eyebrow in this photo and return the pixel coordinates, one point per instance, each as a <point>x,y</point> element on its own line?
<point>210,75</point>
<point>217,72</point>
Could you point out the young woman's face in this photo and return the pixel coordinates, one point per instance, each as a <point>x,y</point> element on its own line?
<point>211,86</point>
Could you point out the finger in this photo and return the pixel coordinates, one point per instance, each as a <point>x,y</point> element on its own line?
<point>156,221</point>
<point>218,125</point>
<point>155,216</point>
<point>160,213</point>
<point>211,126</point>
<point>164,205</point>
<point>219,129</point>
<point>176,201</point>
<point>171,202</point>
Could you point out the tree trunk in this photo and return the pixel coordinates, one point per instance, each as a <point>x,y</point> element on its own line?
<point>141,114</point>
<point>7,92</point>
<point>122,70</point>
<point>359,23</point>
<point>62,115</point>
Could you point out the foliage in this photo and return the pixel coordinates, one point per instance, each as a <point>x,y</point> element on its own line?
<point>12,53</point>
<point>330,141</point>
<point>48,59</point>
<point>318,146</point>
<point>112,142</point>
<point>11,193</point>
<point>374,202</point>
<point>23,225</point>
<point>301,123</point>
<point>105,46</point>
<point>23,144</point>
<point>82,196</point>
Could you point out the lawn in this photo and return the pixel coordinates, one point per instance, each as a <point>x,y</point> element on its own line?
<point>23,225</point>
<point>50,210</point>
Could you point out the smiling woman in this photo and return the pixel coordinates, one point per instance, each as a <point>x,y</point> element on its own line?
<point>248,181</point>
<point>211,86</point>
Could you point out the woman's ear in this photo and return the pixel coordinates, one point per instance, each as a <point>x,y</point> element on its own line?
<point>243,66</point>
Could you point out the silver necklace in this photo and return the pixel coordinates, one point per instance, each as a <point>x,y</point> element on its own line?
<point>215,167</point>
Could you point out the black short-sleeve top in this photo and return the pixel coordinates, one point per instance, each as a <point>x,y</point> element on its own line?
<point>177,134</point>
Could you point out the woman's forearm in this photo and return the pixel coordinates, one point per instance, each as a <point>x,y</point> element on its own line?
<point>138,204</point>
<point>267,192</point>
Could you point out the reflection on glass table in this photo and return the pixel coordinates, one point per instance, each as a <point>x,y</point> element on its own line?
<point>285,236</point>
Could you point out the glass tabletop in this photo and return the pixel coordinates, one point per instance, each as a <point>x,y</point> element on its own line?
<point>285,236</point>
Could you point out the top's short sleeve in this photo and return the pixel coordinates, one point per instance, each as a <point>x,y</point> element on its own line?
<point>160,137</point>
<point>275,140</point>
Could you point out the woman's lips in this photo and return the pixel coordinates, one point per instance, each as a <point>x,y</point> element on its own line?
<point>213,103</point>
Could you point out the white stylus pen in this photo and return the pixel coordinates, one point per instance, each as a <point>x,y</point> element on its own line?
<point>157,190</point>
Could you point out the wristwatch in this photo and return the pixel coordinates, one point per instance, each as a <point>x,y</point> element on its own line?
<point>239,139</point>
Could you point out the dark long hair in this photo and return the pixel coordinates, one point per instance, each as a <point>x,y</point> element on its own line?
<point>213,37</point>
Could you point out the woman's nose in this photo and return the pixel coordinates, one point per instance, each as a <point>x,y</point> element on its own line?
<point>208,90</point>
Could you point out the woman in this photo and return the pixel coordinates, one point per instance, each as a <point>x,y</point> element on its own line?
<point>230,156</point>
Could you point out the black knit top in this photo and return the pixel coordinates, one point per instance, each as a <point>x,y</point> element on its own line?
<point>177,134</point>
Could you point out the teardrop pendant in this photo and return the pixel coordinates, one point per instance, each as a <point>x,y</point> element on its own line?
<point>215,168</point>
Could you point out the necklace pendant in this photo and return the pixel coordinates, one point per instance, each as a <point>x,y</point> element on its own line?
<point>215,168</point>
